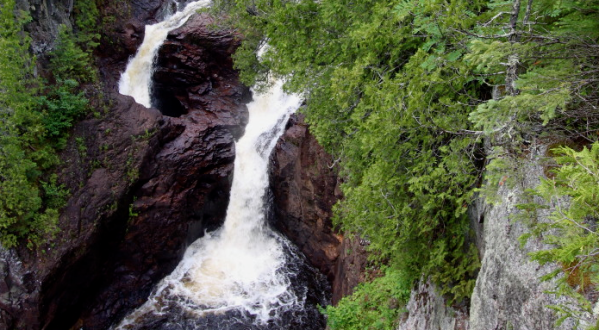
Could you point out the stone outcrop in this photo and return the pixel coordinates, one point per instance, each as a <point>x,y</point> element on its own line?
<point>47,17</point>
<point>508,293</point>
<point>194,72</point>
<point>428,310</point>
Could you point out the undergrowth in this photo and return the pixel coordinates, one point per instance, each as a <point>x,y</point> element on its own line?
<point>374,305</point>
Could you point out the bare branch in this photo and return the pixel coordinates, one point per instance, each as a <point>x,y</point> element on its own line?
<point>495,17</point>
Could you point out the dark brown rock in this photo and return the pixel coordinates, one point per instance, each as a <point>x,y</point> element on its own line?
<point>350,269</point>
<point>194,72</point>
<point>305,187</point>
<point>304,190</point>
<point>184,186</point>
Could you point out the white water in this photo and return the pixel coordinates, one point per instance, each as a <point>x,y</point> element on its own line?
<point>241,265</point>
<point>136,80</point>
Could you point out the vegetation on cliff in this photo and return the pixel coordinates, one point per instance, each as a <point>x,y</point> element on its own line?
<point>404,92</point>
<point>36,115</point>
<point>572,190</point>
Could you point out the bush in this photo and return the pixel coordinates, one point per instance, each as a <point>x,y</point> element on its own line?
<point>374,305</point>
<point>62,107</point>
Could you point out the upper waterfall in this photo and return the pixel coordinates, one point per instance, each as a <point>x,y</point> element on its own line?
<point>136,80</point>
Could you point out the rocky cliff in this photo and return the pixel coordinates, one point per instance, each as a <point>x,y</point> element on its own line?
<point>147,182</point>
<point>305,186</point>
<point>508,293</point>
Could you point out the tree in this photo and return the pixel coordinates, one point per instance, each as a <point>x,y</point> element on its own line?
<point>545,65</point>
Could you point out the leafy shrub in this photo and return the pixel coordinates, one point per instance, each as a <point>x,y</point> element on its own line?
<point>87,17</point>
<point>374,305</point>
<point>68,60</point>
<point>62,107</point>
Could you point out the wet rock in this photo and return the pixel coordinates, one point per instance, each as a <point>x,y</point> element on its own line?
<point>194,72</point>
<point>304,186</point>
<point>124,30</point>
<point>307,285</point>
<point>184,186</point>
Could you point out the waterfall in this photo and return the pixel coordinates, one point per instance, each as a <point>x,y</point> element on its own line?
<point>241,266</point>
<point>137,78</point>
<point>243,275</point>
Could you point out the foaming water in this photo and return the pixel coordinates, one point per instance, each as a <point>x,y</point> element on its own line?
<point>136,80</point>
<point>241,266</point>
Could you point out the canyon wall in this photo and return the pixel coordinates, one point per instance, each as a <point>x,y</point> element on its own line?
<point>305,186</point>
<point>145,183</point>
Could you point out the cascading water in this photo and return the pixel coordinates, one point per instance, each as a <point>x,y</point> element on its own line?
<point>244,275</point>
<point>137,78</point>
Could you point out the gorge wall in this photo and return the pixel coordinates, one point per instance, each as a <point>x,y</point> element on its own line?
<point>144,185</point>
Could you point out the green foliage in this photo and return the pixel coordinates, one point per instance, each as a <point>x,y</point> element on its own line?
<point>69,61</point>
<point>55,195</point>
<point>62,108</point>
<point>402,92</point>
<point>571,228</point>
<point>22,156</point>
<point>35,119</point>
<point>374,305</point>
<point>87,17</point>
<point>552,52</point>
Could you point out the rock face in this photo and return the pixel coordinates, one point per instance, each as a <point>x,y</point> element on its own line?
<point>47,17</point>
<point>304,188</point>
<point>144,186</point>
<point>194,70</point>
<point>427,310</point>
<point>350,268</point>
<point>147,182</point>
<point>508,293</point>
